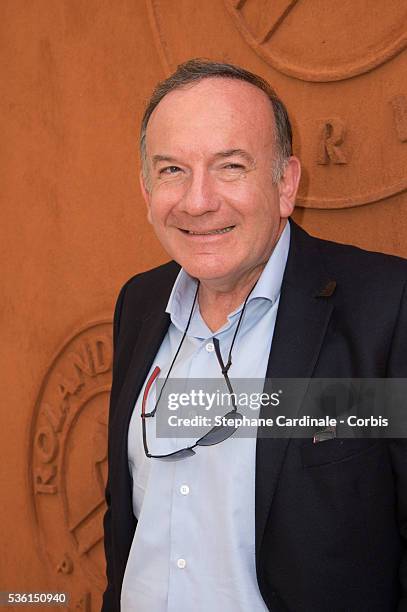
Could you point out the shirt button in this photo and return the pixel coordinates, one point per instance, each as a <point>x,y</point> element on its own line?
<point>181,563</point>
<point>184,489</point>
<point>209,347</point>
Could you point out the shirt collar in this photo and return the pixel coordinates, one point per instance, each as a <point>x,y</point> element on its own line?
<point>268,286</point>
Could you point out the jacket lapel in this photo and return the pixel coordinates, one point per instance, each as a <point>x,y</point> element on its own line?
<point>151,334</point>
<point>303,315</point>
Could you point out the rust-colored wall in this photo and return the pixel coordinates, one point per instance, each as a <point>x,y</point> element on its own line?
<point>76,74</point>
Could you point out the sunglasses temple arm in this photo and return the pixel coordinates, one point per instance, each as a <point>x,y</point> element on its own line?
<point>224,370</point>
<point>150,381</point>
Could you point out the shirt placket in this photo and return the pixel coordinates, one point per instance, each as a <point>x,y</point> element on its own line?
<point>183,550</point>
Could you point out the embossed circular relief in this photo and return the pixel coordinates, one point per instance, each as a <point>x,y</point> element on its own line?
<point>350,133</point>
<point>68,458</point>
<point>322,41</point>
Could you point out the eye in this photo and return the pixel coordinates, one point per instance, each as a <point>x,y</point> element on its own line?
<point>169,170</point>
<point>233,166</point>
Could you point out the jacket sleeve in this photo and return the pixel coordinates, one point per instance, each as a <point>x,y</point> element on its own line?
<point>110,596</point>
<point>397,368</point>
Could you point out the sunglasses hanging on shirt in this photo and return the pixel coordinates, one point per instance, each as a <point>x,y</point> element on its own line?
<point>232,419</point>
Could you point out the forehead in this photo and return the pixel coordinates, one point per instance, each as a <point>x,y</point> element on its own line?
<point>215,112</point>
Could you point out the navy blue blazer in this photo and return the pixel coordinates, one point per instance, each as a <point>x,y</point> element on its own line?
<point>331,518</point>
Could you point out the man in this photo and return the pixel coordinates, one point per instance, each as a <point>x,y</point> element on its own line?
<point>247,524</point>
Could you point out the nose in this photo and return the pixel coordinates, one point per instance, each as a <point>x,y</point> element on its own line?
<point>200,194</point>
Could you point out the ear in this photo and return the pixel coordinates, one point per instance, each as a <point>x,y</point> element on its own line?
<point>146,195</point>
<point>288,186</point>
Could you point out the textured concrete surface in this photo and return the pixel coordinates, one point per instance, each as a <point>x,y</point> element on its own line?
<point>76,75</point>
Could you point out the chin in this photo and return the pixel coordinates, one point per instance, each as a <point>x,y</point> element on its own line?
<point>204,271</point>
<point>204,266</point>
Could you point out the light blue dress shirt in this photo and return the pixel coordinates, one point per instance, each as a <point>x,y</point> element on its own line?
<point>194,546</point>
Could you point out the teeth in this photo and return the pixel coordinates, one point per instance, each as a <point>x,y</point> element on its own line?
<point>219,231</point>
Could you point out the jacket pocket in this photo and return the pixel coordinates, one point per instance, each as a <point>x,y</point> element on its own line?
<point>336,450</point>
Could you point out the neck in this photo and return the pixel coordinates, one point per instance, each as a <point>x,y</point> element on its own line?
<point>215,304</point>
<point>219,297</point>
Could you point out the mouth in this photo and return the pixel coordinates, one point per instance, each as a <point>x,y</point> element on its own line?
<point>223,230</point>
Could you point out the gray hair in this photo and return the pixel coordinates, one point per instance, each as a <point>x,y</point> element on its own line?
<point>196,70</point>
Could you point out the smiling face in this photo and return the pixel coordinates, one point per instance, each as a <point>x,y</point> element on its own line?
<point>211,199</point>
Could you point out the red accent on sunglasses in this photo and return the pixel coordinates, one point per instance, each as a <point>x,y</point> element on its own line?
<point>150,381</point>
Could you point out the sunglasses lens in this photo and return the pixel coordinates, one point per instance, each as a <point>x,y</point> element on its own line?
<point>181,454</point>
<point>221,432</point>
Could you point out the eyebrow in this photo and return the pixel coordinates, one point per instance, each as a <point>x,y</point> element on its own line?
<point>221,154</point>
<point>163,158</point>
<point>235,152</point>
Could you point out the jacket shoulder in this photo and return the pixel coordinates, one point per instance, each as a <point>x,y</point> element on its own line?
<point>148,290</point>
<point>368,262</point>
<point>350,262</point>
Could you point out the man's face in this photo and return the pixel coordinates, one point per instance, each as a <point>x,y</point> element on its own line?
<point>210,193</point>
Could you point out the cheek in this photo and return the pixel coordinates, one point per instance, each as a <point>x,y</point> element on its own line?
<point>250,194</point>
<point>258,210</point>
<point>159,210</point>
<point>163,201</point>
